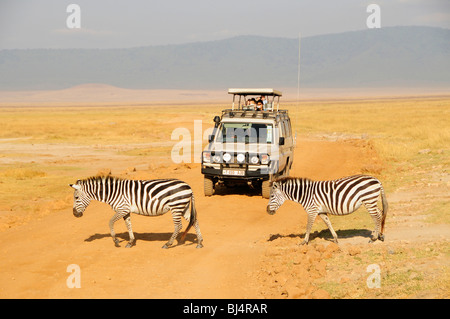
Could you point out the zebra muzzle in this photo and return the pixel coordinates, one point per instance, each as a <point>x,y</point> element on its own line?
<point>269,211</point>
<point>77,214</point>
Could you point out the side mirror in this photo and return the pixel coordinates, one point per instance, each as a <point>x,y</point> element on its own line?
<point>281,141</point>
<point>216,121</point>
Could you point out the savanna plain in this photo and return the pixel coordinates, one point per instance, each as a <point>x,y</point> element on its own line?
<point>404,141</point>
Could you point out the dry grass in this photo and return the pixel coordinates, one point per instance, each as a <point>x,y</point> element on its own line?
<point>95,125</point>
<point>407,133</point>
<point>400,127</point>
<point>428,277</point>
<point>21,173</point>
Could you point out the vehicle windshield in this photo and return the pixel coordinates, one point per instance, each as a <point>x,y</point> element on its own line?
<point>246,133</point>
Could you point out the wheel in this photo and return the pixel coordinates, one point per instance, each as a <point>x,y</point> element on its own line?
<point>265,189</point>
<point>208,186</point>
<point>286,171</point>
<point>287,168</point>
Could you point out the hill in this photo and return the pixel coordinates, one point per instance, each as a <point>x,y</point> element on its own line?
<point>391,56</point>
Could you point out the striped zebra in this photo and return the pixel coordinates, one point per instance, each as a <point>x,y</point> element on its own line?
<point>143,197</point>
<point>336,197</point>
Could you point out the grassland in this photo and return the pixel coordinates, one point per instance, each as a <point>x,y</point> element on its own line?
<point>94,125</point>
<point>399,128</point>
<point>410,135</point>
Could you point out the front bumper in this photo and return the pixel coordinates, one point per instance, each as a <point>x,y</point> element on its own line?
<point>245,172</point>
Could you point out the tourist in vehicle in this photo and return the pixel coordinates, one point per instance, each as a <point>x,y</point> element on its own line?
<point>251,101</point>
<point>259,105</point>
<point>263,98</point>
<point>250,104</point>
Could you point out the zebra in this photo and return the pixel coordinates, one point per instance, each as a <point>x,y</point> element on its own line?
<point>336,197</point>
<point>143,197</point>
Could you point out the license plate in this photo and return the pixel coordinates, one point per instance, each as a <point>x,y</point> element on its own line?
<point>234,172</point>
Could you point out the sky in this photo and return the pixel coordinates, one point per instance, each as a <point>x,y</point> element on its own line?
<point>29,24</point>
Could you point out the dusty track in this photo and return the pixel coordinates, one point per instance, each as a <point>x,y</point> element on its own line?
<point>235,227</point>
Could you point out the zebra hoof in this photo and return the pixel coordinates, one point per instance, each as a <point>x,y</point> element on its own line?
<point>130,244</point>
<point>165,246</point>
<point>381,237</point>
<point>303,243</point>
<point>199,246</point>
<point>116,242</point>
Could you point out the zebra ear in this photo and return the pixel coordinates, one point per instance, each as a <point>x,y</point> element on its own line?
<point>78,187</point>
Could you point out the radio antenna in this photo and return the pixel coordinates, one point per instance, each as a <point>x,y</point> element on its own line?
<point>298,79</point>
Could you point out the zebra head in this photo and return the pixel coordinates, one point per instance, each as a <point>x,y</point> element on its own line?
<point>80,199</point>
<point>277,199</point>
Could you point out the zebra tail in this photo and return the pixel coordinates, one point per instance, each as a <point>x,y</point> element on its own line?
<point>192,218</point>
<point>385,209</point>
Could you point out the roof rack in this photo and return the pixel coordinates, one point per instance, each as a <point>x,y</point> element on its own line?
<point>266,92</point>
<point>230,113</point>
<point>270,92</point>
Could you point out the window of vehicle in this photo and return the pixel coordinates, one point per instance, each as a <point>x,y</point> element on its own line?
<point>246,133</point>
<point>288,127</point>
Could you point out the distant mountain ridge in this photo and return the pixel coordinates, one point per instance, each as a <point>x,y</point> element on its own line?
<point>390,56</point>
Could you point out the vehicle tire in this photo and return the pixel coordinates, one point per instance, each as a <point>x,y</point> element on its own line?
<point>287,168</point>
<point>208,186</point>
<point>286,172</point>
<point>265,192</point>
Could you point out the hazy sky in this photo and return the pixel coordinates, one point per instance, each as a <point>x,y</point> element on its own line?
<point>131,23</point>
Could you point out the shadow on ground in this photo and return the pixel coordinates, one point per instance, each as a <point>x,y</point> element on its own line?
<point>325,234</point>
<point>162,237</point>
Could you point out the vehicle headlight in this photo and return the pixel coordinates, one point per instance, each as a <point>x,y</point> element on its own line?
<point>254,160</point>
<point>227,157</point>
<point>216,158</point>
<point>240,158</point>
<point>206,157</point>
<point>265,159</point>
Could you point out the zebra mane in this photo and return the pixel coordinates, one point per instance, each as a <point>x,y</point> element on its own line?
<point>282,180</point>
<point>98,178</point>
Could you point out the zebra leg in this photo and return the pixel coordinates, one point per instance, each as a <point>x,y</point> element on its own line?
<point>376,215</point>
<point>115,218</point>
<point>132,241</point>
<point>177,223</point>
<point>311,218</point>
<point>199,235</point>
<point>327,221</point>
<point>379,221</point>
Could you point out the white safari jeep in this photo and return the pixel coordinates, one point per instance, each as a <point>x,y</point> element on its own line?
<point>251,143</point>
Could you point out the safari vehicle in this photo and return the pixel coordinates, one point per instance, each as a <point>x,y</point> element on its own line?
<point>249,145</point>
